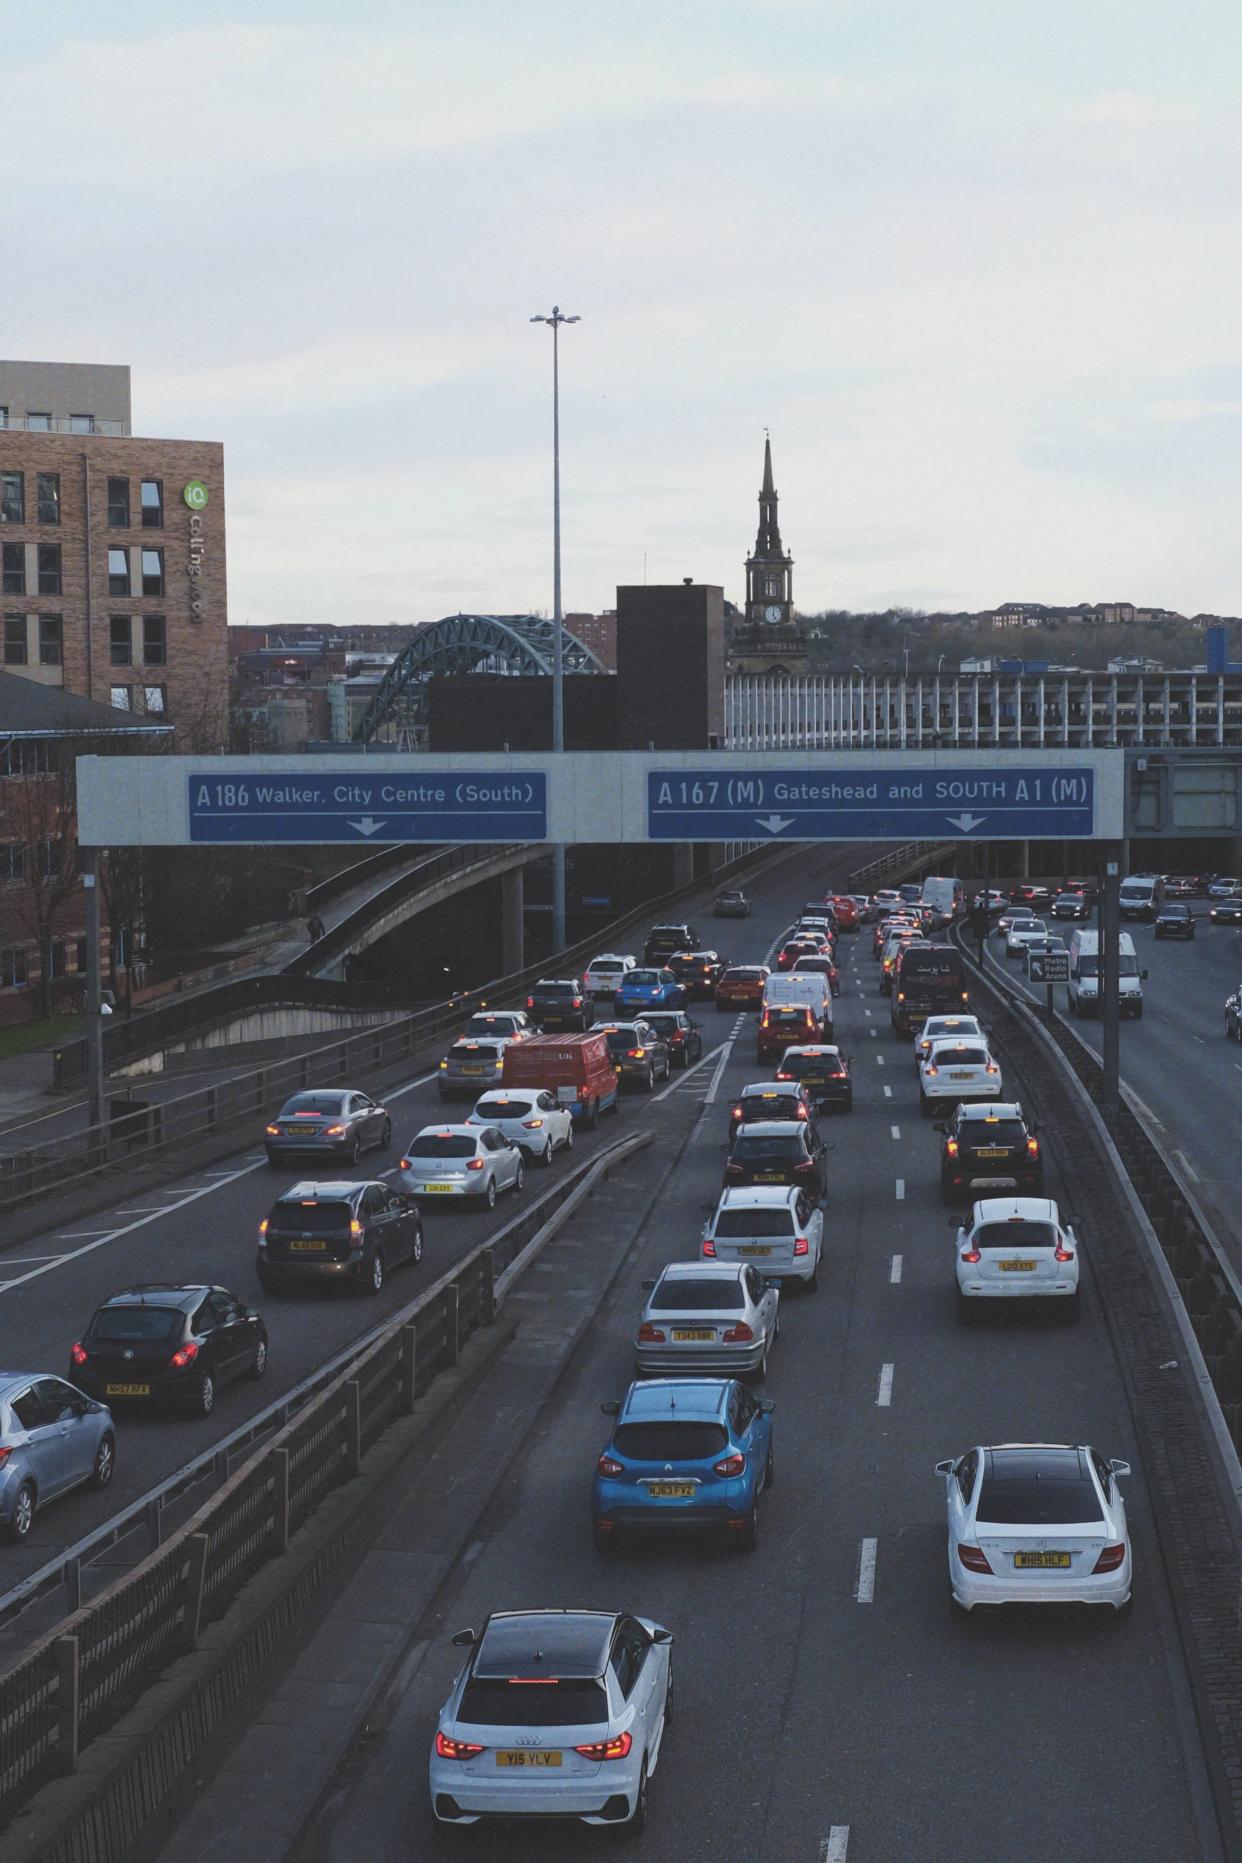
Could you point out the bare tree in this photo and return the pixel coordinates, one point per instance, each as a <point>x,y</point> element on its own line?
<point>38,819</point>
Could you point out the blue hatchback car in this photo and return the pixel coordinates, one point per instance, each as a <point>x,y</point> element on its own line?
<point>684,1452</point>
<point>649,989</point>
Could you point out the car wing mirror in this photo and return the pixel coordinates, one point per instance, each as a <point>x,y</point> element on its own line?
<point>1120,1468</point>
<point>647,1286</point>
<point>944,1468</point>
<point>612,1408</point>
<point>464,1639</point>
<point>663,1637</point>
<point>1142,976</point>
<point>767,1405</point>
<point>954,1224</point>
<point>940,1126</point>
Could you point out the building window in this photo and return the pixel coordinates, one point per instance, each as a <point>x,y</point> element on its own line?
<point>121,643</point>
<point>154,643</point>
<point>12,967</point>
<point>13,497</point>
<point>38,423</point>
<point>49,498</point>
<point>118,572</point>
<point>120,698</point>
<point>13,568</point>
<point>81,423</point>
<point>15,640</point>
<point>12,860</point>
<point>49,569</point>
<point>153,699</point>
<point>152,504</point>
<point>50,857</point>
<point>4,417</point>
<point>57,958</point>
<point>118,504</point>
<point>79,955</point>
<point>153,572</point>
<point>51,640</point>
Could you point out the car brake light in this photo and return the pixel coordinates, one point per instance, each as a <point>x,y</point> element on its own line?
<point>1062,1253</point>
<point>800,1170</point>
<point>263,1227</point>
<point>901,996</point>
<point>950,1148</point>
<point>186,1356</point>
<point>801,1113</point>
<point>355,1227</point>
<point>476,1164</point>
<point>1109,1559</point>
<point>78,1353</point>
<point>530,1002</point>
<point>802,1245</point>
<point>273,1131</point>
<point>709,1249</point>
<point>607,1466</point>
<point>405,1164</point>
<point>965,996</point>
<point>636,1054</point>
<point>455,1749</point>
<point>650,1335</point>
<point>334,1132</point>
<point>531,1125</point>
<point>741,1334</point>
<point>616,1748</point>
<point>732,1464</point>
<point>764,1022</point>
<point>733,1170</point>
<point>992,1068</point>
<point>577,1002</point>
<point>970,1254</point>
<point>444,1064</point>
<point>929,1067</point>
<point>1032,1147</point>
<point>973,1558</point>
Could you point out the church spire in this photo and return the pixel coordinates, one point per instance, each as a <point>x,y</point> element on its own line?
<point>769,570</point>
<point>769,490</point>
<point>768,541</point>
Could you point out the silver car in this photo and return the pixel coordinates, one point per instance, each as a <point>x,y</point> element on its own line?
<point>340,1122</point>
<point>708,1317</point>
<point>461,1161</point>
<point>52,1438</point>
<point>470,1067</point>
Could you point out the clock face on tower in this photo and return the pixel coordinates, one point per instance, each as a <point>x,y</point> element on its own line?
<point>772,614</point>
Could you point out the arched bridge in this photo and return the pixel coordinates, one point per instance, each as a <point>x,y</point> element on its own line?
<point>514,644</point>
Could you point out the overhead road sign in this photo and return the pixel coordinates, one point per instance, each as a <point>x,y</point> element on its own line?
<point>845,801</point>
<point>330,805</point>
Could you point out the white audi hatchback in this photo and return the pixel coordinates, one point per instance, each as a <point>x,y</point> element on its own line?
<point>556,1714</point>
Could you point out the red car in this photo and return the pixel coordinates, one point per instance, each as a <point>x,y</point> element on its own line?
<point>846,910</point>
<point>789,954</point>
<point>741,987</point>
<point>785,1026</point>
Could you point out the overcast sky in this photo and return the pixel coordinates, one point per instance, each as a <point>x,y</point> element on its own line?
<point>976,265</point>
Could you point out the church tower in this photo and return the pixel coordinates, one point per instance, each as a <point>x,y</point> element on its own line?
<point>769,571</point>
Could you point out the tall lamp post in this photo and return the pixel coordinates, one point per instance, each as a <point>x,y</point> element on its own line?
<point>558,629</point>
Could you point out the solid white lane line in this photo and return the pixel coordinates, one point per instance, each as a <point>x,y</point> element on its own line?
<point>1199,1039</point>
<point>896,1131</point>
<point>894,1273</point>
<point>709,1097</point>
<point>1186,1165</point>
<point>722,1051</point>
<point>884,1396</point>
<point>888,1091</point>
<point>835,1847</point>
<point>398,1092</point>
<point>901,1189</point>
<point>864,1587</point>
<point>73,1235</point>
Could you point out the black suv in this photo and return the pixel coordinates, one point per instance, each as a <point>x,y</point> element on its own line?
<point>560,1003</point>
<point>638,1052</point>
<point>338,1232</point>
<point>663,940</point>
<point>989,1146</point>
<point>822,1072</point>
<point>164,1342</point>
<point>1175,921</point>
<point>771,1099</point>
<point>680,1031</point>
<point>778,1151</point>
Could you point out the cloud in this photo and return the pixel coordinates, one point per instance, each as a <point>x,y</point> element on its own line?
<point>1189,408</point>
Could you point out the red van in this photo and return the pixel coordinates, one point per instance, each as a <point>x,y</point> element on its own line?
<point>578,1069</point>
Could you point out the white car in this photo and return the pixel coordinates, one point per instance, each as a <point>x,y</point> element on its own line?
<point>954,1070</point>
<point>461,1161</point>
<point>498,1025</point>
<point>1023,932</point>
<point>1036,1523</point>
<point>1016,1248</point>
<point>583,1743</point>
<point>605,974</point>
<point>776,1226</point>
<point>1012,915</point>
<point>530,1118</point>
<point>958,1028</point>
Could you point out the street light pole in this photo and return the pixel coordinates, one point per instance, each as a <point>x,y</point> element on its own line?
<point>558,628</point>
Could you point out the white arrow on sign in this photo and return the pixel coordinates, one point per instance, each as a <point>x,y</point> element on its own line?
<point>774,823</point>
<point>966,822</point>
<point>367,825</point>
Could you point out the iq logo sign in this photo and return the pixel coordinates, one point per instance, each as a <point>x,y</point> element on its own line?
<point>195,495</point>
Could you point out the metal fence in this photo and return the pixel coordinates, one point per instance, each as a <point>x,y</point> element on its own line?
<point>80,1677</point>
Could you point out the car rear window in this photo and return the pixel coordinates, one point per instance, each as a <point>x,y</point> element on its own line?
<point>505,1109</point>
<point>733,1224</point>
<point>643,976</point>
<point>456,1145</point>
<point>744,974</point>
<point>311,1103</point>
<point>820,965</point>
<point>992,1132</point>
<point>665,1021</point>
<point>771,1106</point>
<point>749,1150</point>
<point>797,1012</point>
<point>555,989</point>
<point>311,1218</point>
<point>815,1065</point>
<point>620,1041</point>
<point>474,1051</point>
<point>684,1296</point>
<point>137,1323</point>
<point>959,1057</point>
<point>1035,1501</point>
<point>535,1701</point>
<point>608,963</point>
<point>670,1440</point>
<point>1015,1235</point>
<point>489,1025</point>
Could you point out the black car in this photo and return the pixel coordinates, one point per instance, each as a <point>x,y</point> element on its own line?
<point>560,1003</point>
<point>681,1032</point>
<point>777,1151</point>
<point>771,1099</point>
<point>989,1146</point>
<point>1175,921</point>
<point>663,940</point>
<point>1071,905</point>
<point>338,1232</point>
<point>1226,912</point>
<point>698,971</point>
<point>823,1073</point>
<point>163,1342</point>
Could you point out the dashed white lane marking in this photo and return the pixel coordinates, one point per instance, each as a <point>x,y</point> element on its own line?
<point>19,1261</point>
<point>896,1131</point>
<point>726,1050</point>
<point>867,1013</point>
<point>901,1189</point>
<point>1199,1039</point>
<point>1186,1165</point>
<point>835,1847</point>
<point>1145,1109</point>
<point>73,1235</point>
<point>894,1273</point>
<point>884,1396</point>
<point>879,1059</point>
<point>873,1033</point>
<point>864,1585</point>
<point>888,1091</point>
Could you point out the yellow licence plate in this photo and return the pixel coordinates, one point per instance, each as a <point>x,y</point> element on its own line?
<point>433,1188</point>
<point>472,1070</point>
<point>528,1759</point>
<point>959,1074</point>
<point>767,1177</point>
<point>671,1490</point>
<point>755,1248</point>
<point>305,1245</point>
<point>127,1390</point>
<point>1042,1560</point>
<point>1016,1267</point>
<point>991,1152</point>
<point>694,1332</point>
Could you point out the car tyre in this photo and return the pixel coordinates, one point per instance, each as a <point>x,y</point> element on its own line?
<point>489,1195</point>
<point>637,1822</point>
<point>375,1279</point>
<point>205,1395</point>
<point>259,1363</point>
<point>354,1150</point>
<point>416,1248</point>
<point>668,1698</point>
<point>811,1284</point>
<point>386,1135</point>
<point>1073,1308</point>
<point>520,1177</point>
<point>769,1468</point>
<point>105,1461</point>
<point>600,1539</point>
<point>24,1506</point>
<point>748,1539</point>
<point>592,1115</point>
<point>569,1136</point>
<point>649,1087</point>
<point>545,1156</point>
<point>266,1281</point>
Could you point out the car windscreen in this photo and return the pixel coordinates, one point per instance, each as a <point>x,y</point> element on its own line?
<point>992,1132</point>
<point>1024,1234</point>
<point>734,1224</point>
<point>311,1218</point>
<point>137,1323</point>
<point>674,1440</point>
<point>1127,966</point>
<point>679,1295</point>
<point>934,962</point>
<point>539,1701</point>
<point>754,1150</point>
<point>474,1051</point>
<point>497,1109</point>
<point>959,1057</point>
<point>1032,1500</point>
<point>435,1145</point>
<point>310,1103</point>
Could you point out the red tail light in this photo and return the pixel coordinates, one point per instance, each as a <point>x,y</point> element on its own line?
<point>577,1002</point>
<point>650,1335</point>
<point>186,1356</point>
<point>455,1749</point>
<point>1109,1559</point>
<point>801,1113</point>
<point>732,1465</point>
<point>741,1334</point>
<point>616,1748</point>
<point>970,1254</point>
<point>764,1020</point>
<point>735,1112</point>
<point>802,1245</point>
<point>334,1132</point>
<point>476,1164</point>
<point>992,1068</point>
<point>406,1165</point>
<point>530,1002</point>
<point>78,1353</point>
<point>709,1250</point>
<point>973,1558</point>
<point>4,1456</point>
<point>951,1148</point>
<point>800,1170</point>
<point>607,1466</point>
<point>781,1075</point>
<point>1060,1252</point>
<point>1032,1148</point>
<point>636,1054</point>
<point>531,1125</point>
<point>929,1067</point>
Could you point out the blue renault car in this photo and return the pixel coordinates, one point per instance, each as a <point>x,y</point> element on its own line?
<point>684,1452</point>
<point>649,989</point>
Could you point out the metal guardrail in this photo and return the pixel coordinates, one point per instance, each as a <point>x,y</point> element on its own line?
<point>79,1677</point>
<point>901,859</point>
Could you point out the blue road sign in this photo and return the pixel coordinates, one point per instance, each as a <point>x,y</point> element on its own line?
<point>854,803</point>
<point>335,805</point>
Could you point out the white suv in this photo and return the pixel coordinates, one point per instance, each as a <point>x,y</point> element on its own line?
<point>1016,1248</point>
<point>606,973</point>
<point>777,1226</point>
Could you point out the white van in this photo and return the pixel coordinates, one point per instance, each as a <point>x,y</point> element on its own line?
<point>806,986</point>
<point>1142,895</point>
<point>947,898</point>
<point>1084,973</point>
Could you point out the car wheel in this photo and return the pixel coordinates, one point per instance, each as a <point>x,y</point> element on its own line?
<point>769,1468</point>
<point>1138,1014</point>
<point>105,1461</point>
<point>650,1083</point>
<point>489,1195</point>
<point>761,1369</point>
<point>258,1364</point>
<point>947,1195</point>
<point>386,1135</point>
<point>592,1117</point>
<point>811,1284</point>
<point>375,1278</point>
<point>545,1156</point>
<point>748,1538</point>
<point>354,1149</point>
<point>266,1281</point>
<point>23,1512</point>
<point>520,1175</point>
<point>849,1101</point>
<point>205,1395</point>
<point>925,1106</point>
<point>569,1136</point>
<point>668,1698</point>
<point>638,1817</point>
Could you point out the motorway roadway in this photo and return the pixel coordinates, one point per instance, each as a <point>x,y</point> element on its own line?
<point>831,1704</point>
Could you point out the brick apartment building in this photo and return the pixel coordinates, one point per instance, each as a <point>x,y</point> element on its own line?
<point>112,552</point>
